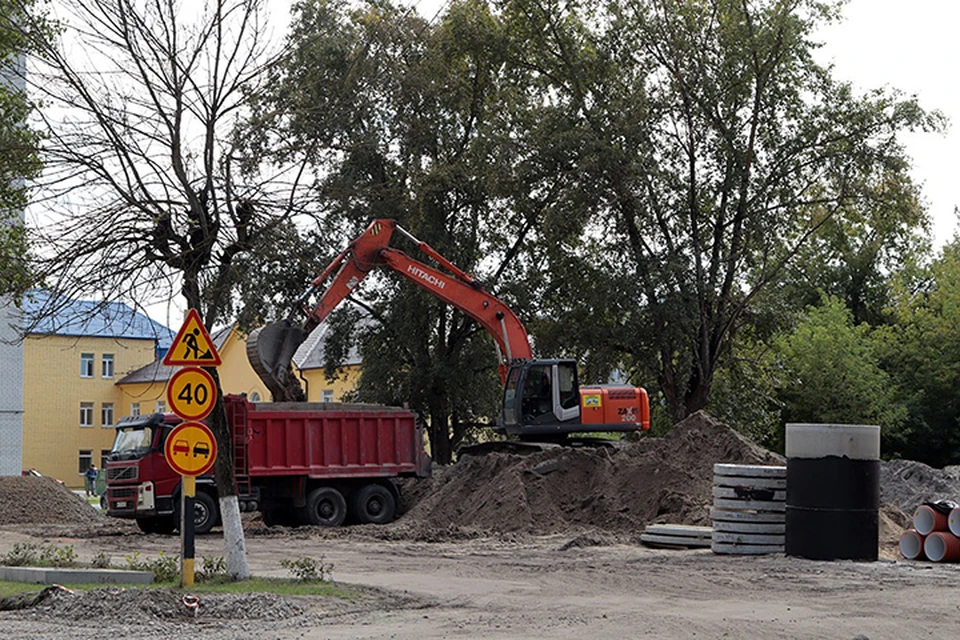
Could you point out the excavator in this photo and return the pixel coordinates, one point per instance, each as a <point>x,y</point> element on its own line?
<point>542,399</point>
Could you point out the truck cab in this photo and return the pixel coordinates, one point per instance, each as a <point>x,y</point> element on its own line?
<point>140,483</point>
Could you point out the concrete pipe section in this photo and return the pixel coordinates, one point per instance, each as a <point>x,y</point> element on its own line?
<point>833,491</point>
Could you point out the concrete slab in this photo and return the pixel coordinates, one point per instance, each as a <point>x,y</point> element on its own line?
<point>51,575</point>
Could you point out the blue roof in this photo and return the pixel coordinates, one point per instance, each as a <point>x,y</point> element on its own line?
<point>49,313</point>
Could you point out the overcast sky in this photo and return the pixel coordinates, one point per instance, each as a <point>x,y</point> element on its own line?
<point>911,46</point>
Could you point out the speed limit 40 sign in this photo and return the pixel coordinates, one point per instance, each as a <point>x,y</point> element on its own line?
<point>191,393</point>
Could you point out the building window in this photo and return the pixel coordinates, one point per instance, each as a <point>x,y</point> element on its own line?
<point>104,456</point>
<point>161,406</point>
<point>107,365</point>
<point>326,395</point>
<point>85,460</point>
<point>86,365</point>
<point>86,414</point>
<point>134,409</point>
<point>254,397</point>
<point>106,414</point>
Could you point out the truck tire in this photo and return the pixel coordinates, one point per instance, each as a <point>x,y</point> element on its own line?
<point>204,512</point>
<point>374,504</point>
<point>326,507</point>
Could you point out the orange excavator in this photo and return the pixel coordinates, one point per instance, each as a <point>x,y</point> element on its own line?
<point>542,399</point>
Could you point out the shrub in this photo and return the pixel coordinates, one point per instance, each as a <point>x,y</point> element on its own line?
<point>308,569</point>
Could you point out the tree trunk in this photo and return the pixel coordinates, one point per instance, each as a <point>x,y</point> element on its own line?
<point>440,439</point>
<point>234,544</point>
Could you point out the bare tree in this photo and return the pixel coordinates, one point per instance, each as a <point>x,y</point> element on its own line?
<point>142,197</point>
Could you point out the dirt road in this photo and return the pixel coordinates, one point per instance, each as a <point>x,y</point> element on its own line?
<point>538,587</point>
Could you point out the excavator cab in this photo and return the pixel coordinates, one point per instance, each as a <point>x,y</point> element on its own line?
<point>542,399</point>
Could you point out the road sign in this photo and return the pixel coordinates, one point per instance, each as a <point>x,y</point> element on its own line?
<point>191,393</point>
<point>192,346</point>
<point>190,449</point>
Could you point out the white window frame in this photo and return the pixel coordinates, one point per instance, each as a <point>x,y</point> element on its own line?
<point>106,414</point>
<point>326,395</point>
<point>86,365</point>
<point>107,365</point>
<point>84,454</point>
<point>134,409</point>
<point>86,414</point>
<point>161,406</point>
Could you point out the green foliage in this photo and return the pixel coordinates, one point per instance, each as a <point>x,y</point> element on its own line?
<point>54,556</point>
<point>101,560</point>
<point>921,350</point>
<point>307,569</point>
<point>165,568</point>
<point>832,374</point>
<point>25,554</point>
<point>212,569</point>
<point>683,199</point>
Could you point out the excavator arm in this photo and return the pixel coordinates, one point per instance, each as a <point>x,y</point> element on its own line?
<point>271,348</point>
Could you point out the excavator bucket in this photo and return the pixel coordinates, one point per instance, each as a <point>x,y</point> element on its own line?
<point>270,351</point>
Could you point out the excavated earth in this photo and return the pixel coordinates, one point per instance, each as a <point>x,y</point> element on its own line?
<point>598,497</point>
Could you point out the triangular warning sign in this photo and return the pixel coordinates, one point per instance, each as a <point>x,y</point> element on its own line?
<point>193,345</point>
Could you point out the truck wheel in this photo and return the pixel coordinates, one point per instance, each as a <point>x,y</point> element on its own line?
<point>374,504</point>
<point>204,513</point>
<point>326,507</point>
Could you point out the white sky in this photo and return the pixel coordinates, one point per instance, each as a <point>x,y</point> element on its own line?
<point>912,47</point>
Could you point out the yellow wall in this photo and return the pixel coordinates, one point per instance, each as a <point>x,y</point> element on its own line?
<point>236,374</point>
<point>53,390</point>
<point>149,397</point>
<point>316,383</point>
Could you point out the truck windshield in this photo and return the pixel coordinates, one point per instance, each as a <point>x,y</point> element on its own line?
<point>132,443</point>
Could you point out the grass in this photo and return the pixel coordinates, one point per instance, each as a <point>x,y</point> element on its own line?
<point>279,586</point>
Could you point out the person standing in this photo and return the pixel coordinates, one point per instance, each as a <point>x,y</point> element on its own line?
<point>91,476</point>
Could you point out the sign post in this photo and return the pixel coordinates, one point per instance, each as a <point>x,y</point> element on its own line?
<point>191,448</point>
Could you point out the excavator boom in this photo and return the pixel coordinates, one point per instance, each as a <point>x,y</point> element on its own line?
<point>270,349</point>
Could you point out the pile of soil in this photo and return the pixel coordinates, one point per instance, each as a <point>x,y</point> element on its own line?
<point>145,605</point>
<point>907,484</point>
<point>42,500</point>
<point>667,479</point>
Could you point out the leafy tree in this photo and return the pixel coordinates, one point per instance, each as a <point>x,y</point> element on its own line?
<point>707,149</point>
<point>921,351</point>
<point>19,161</point>
<point>854,255</point>
<point>143,198</point>
<point>412,120</point>
<point>832,374</point>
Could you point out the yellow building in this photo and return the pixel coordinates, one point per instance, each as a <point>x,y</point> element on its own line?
<point>73,357</point>
<point>144,390</point>
<point>309,367</point>
<point>91,364</point>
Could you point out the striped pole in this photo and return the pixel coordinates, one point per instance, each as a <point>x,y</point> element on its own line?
<point>189,493</point>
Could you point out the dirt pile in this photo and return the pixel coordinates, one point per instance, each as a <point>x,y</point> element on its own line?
<point>665,479</point>
<point>148,605</point>
<point>908,484</point>
<point>42,500</point>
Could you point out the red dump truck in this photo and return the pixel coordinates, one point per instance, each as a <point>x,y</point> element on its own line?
<point>296,463</point>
